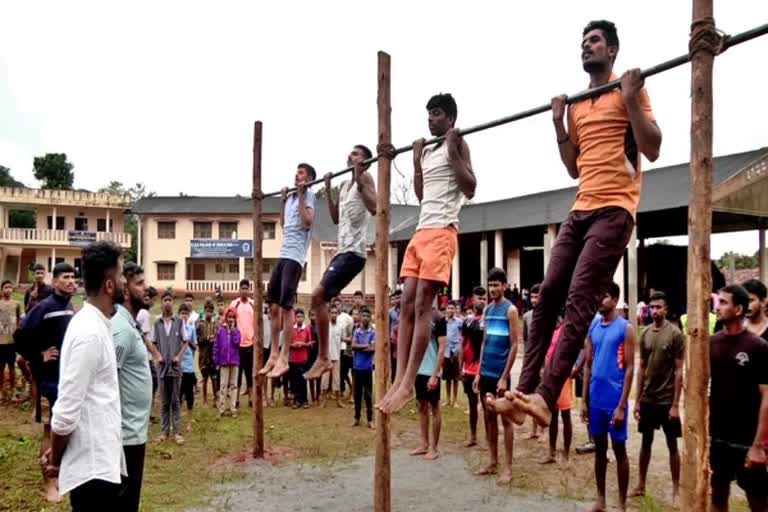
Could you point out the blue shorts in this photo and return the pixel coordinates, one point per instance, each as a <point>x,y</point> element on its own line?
<point>49,391</point>
<point>600,424</point>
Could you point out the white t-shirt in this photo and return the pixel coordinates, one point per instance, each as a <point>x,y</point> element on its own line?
<point>334,340</point>
<point>345,322</point>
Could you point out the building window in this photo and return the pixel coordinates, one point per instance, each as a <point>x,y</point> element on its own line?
<point>268,230</point>
<point>202,230</point>
<point>228,230</point>
<point>59,222</point>
<point>234,268</point>
<point>81,224</point>
<point>101,225</point>
<point>166,230</point>
<point>166,271</point>
<point>196,271</point>
<point>266,268</point>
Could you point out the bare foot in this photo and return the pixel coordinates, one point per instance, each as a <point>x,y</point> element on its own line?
<point>322,366</point>
<point>471,443</point>
<point>51,492</point>
<point>675,501</point>
<point>269,365</point>
<point>280,368</point>
<point>397,400</point>
<point>391,391</point>
<point>432,455</point>
<point>550,459</point>
<point>599,506</point>
<point>534,406</point>
<point>505,477</point>
<point>490,469</point>
<point>506,408</point>
<point>421,450</point>
<point>637,492</point>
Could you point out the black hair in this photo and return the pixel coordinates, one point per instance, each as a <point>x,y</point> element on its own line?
<point>189,296</point>
<point>184,308</point>
<point>398,292</point>
<point>614,291</point>
<point>151,292</point>
<point>366,152</point>
<point>659,295</point>
<point>38,266</point>
<point>167,294</point>
<point>497,274</point>
<point>7,281</point>
<point>310,170</point>
<point>444,102</point>
<point>607,27</point>
<point>364,310</point>
<point>536,288</point>
<point>131,270</point>
<point>299,311</point>
<point>99,259</point>
<point>245,282</point>
<point>220,300</point>
<point>63,268</point>
<point>208,306</point>
<point>358,293</point>
<point>755,287</point>
<point>479,290</point>
<point>739,295</point>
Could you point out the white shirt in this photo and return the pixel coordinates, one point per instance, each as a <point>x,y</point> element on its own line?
<point>88,406</point>
<point>442,197</point>
<point>344,321</point>
<point>334,340</point>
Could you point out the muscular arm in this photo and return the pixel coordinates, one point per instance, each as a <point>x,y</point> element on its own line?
<point>647,133</point>
<point>418,177</point>
<point>333,206</point>
<point>678,382</point>
<point>458,156</point>
<point>629,365</point>
<point>587,370</point>
<point>307,213</point>
<point>762,419</point>
<point>514,335</point>
<point>442,341</point>
<point>367,189</point>
<point>569,152</point>
<point>641,378</point>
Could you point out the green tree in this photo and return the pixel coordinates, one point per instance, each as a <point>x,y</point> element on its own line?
<point>54,171</point>
<point>16,218</point>
<point>6,180</point>
<point>137,192</point>
<point>740,261</point>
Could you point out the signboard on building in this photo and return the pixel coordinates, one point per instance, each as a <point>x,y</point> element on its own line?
<point>221,248</point>
<point>81,238</point>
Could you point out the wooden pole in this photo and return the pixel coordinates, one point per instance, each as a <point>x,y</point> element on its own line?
<point>258,318</point>
<point>695,478</point>
<point>382,489</point>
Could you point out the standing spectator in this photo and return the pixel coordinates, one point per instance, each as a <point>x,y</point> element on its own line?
<point>226,355</point>
<point>347,326</point>
<point>358,299</point>
<point>331,379</point>
<point>564,404</point>
<point>39,291</point>
<point>738,405</point>
<point>39,341</point>
<point>314,384</point>
<point>608,371</point>
<point>244,306</point>
<point>144,319</point>
<point>659,385</point>
<point>135,382</point>
<point>527,319</point>
<point>194,316</point>
<point>10,314</point>
<point>450,366</point>
<point>188,377</point>
<point>394,321</point>
<point>206,337</point>
<point>171,339</point>
<point>428,389</point>
<point>472,333</point>
<point>364,346</point>
<point>299,355</point>
<point>756,321</point>
<point>86,448</point>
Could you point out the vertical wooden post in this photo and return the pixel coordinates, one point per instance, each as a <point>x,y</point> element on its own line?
<point>695,478</point>
<point>258,316</point>
<point>382,491</point>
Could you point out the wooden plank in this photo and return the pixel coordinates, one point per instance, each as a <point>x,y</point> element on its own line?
<point>382,491</point>
<point>258,317</point>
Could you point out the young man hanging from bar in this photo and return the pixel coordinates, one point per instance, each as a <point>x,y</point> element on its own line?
<point>601,148</point>
<point>297,214</point>
<point>442,178</point>
<point>357,199</point>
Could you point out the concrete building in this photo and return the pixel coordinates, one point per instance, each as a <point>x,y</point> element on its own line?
<point>65,221</point>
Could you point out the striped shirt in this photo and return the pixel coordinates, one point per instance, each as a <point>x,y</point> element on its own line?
<point>497,346</point>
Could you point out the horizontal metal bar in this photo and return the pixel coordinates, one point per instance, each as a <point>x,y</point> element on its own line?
<point>589,93</point>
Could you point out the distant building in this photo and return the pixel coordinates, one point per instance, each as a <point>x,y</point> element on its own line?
<point>66,220</point>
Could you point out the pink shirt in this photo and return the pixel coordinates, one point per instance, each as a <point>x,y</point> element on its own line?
<point>244,321</point>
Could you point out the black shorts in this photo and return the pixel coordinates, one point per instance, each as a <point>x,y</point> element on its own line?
<point>655,416</point>
<point>283,283</point>
<point>489,385</point>
<point>8,354</point>
<point>727,462</point>
<point>424,393</point>
<point>579,382</point>
<point>469,381</point>
<point>451,368</point>
<point>343,268</point>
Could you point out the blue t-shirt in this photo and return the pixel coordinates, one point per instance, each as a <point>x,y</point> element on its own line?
<point>363,360</point>
<point>188,359</point>
<point>296,237</point>
<point>429,362</point>
<point>453,331</point>
<point>607,380</point>
<point>496,348</point>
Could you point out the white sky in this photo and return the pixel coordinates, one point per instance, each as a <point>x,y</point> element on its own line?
<point>166,92</point>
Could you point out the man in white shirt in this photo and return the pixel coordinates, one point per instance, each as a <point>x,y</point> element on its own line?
<point>86,442</point>
<point>331,381</point>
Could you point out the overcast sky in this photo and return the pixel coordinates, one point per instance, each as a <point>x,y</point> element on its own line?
<point>166,92</point>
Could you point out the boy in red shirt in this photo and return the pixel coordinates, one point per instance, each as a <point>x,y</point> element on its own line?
<point>302,340</point>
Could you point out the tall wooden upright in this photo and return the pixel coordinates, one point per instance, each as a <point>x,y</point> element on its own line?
<point>695,478</point>
<point>258,318</point>
<point>382,489</point>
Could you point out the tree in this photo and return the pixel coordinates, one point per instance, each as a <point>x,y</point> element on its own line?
<point>6,180</point>
<point>54,172</point>
<point>137,192</point>
<point>740,261</point>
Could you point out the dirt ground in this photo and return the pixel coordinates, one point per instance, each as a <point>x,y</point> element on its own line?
<point>445,484</point>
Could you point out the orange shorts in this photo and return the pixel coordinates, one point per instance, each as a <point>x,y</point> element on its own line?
<point>430,255</point>
<point>565,401</point>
